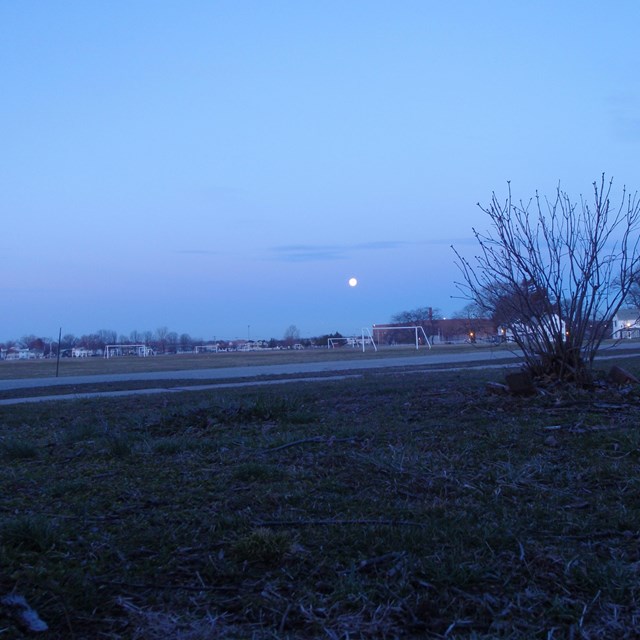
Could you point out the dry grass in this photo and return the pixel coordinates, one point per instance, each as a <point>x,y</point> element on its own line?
<point>385,507</point>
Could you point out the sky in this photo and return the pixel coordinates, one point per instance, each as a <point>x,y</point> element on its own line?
<point>222,168</point>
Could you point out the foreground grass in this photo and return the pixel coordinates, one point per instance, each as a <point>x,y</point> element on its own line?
<point>385,507</point>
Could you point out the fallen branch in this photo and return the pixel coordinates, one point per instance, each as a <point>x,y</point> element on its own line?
<point>596,535</point>
<point>329,523</point>
<point>393,556</point>
<point>296,443</point>
<point>156,586</point>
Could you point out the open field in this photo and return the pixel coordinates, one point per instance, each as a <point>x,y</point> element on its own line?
<point>389,506</point>
<point>97,366</point>
<point>72,367</point>
<point>98,375</point>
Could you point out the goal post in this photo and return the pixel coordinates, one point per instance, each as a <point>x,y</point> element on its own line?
<point>206,348</point>
<point>332,342</point>
<point>417,329</point>
<point>365,338</point>
<point>115,350</point>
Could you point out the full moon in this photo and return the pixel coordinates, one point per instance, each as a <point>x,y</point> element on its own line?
<point>352,282</point>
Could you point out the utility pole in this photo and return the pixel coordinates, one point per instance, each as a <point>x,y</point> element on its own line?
<point>58,358</point>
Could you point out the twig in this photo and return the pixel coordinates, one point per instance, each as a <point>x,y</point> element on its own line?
<point>371,562</point>
<point>161,587</point>
<point>596,535</point>
<point>313,523</point>
<point>586,608</point>
<point>295,443</point>
<point>283,620</point>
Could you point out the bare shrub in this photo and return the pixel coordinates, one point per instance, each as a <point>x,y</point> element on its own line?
<point>554,273</point>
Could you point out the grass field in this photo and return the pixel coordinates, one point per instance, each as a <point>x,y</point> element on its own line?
<point>96,366</point>
<point>390,506</point>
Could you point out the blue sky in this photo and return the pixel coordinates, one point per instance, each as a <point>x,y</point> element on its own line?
<point>222,168</point>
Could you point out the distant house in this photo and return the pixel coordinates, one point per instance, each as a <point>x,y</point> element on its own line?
<point>20,353</point>
<point>549,327</point>
<point>626,324</point>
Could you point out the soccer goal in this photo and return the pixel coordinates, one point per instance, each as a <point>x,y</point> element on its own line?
<point>332,343</point>
<point>115,350</point>
<point>206,348</point>
<point>416,329</point>
<point>365,338</point>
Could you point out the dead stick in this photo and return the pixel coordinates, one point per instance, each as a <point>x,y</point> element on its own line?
<point>307,441</point>
<point>162,587</point>
<point>313,523</point>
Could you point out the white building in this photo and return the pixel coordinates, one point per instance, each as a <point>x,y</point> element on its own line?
<point>20,353</point>
<point>548,327</point>
<point>626,324</point>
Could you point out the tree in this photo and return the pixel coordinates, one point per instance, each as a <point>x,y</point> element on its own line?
<point>107,336</point>
<point>33,343</point>
<point>91,341</point>
<point>511,303</point>
<point>161,337</point>
<point>473,318</point>
<point>186,342</point>
<point>633,297</point>
<point>291,335</point>
<point>472,311</point>
<point>421,316</point>
<point>68,341</point>
<point>552,271</point>
<point>172,341</point>
<point>323,340</point>
<point>416,316</point>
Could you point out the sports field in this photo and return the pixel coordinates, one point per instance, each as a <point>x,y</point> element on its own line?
<point>67,367</point>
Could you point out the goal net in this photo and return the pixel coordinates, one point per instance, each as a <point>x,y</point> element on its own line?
<point>365,338</point>
<point>140,350</point>
<point>417,330</point>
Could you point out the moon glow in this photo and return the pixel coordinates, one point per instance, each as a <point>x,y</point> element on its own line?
<point>353,282</point>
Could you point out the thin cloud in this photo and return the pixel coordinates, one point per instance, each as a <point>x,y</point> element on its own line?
<point>199,252</point>
<point>380,245</point>
<point>309,252</point>
<point>458,241</point>
<point>624,109</point>
<point>627,127</point>
<point>305,253</point>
